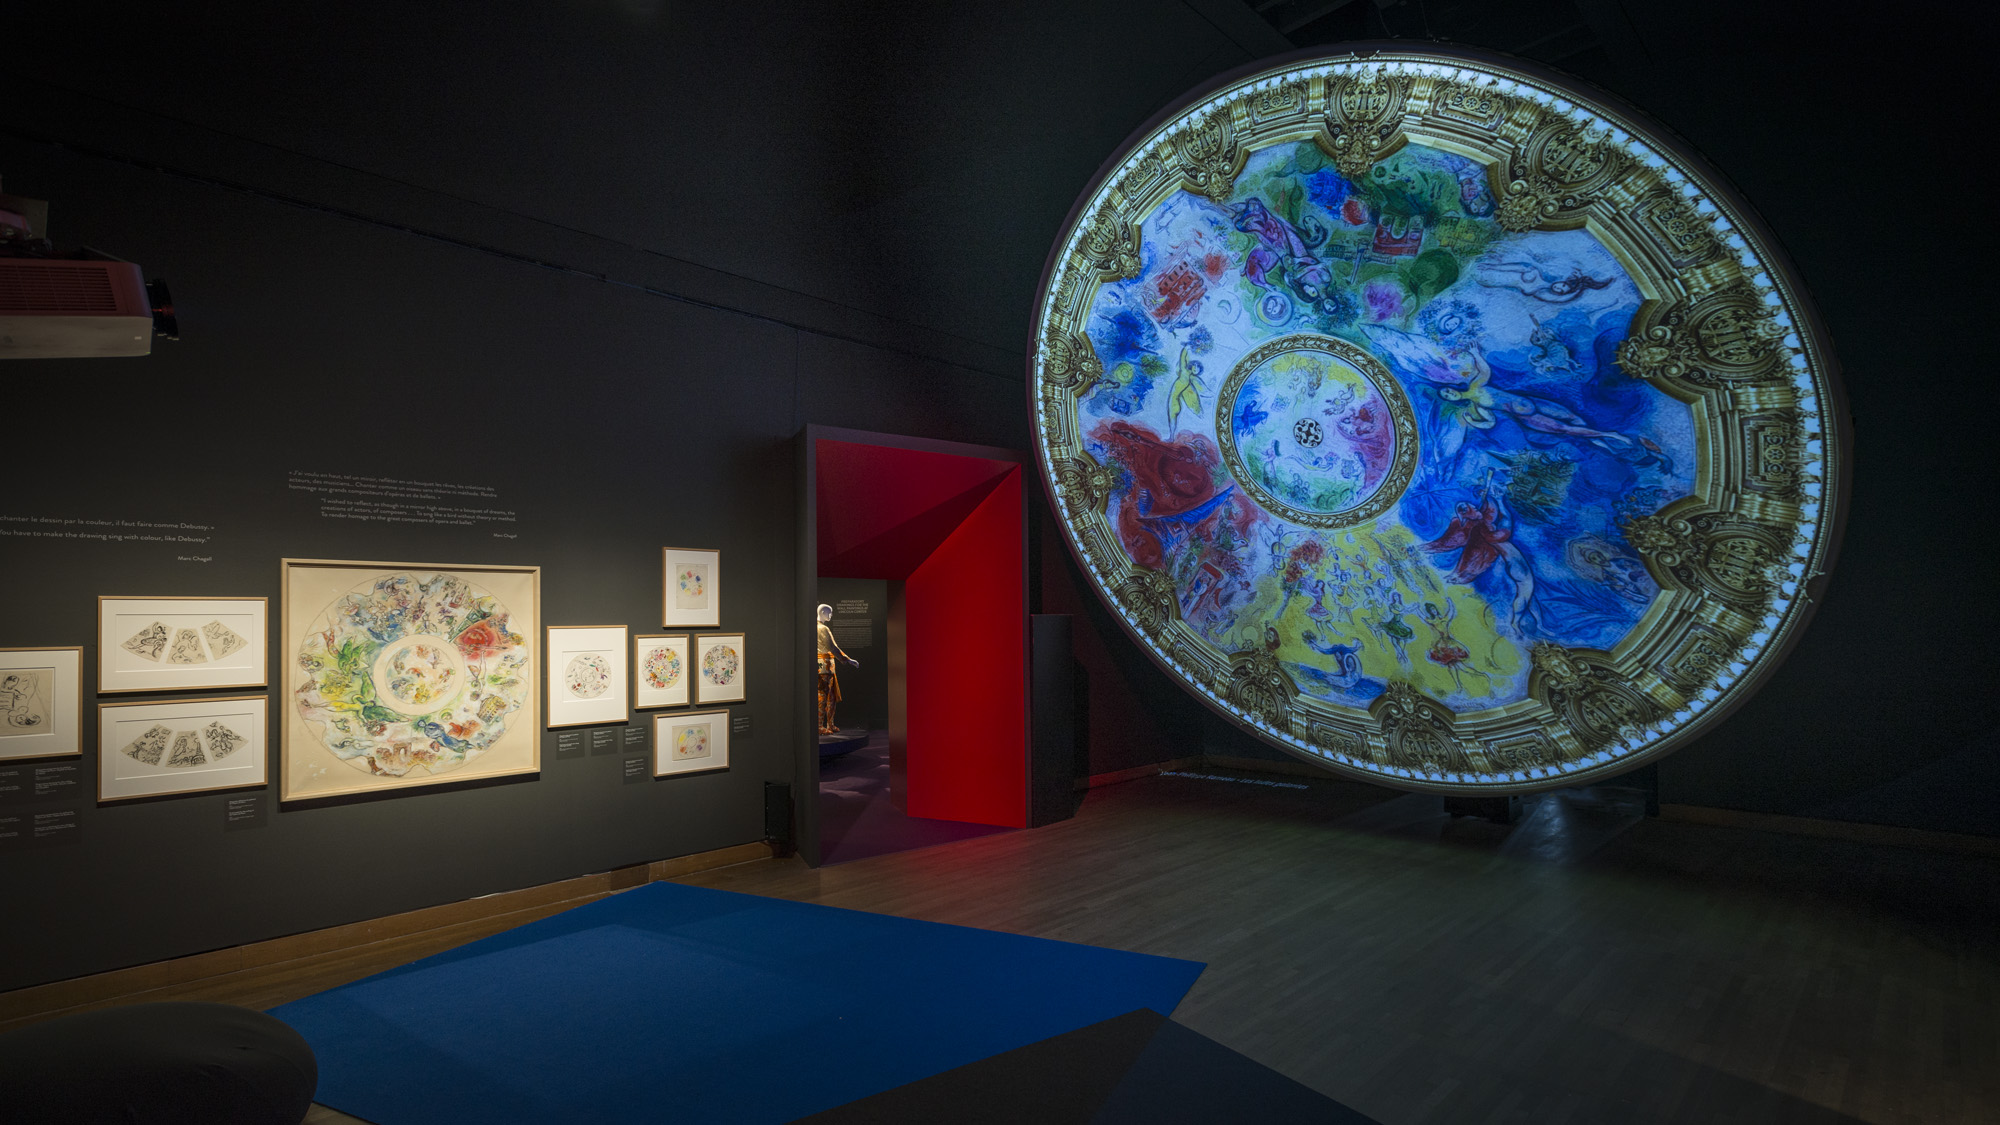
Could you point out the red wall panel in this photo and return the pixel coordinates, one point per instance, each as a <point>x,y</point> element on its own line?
<point>967,723</point>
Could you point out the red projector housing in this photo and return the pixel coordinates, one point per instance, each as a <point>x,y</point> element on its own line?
<point>59,307</point>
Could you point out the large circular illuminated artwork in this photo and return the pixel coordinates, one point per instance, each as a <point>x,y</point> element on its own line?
<point>1435,420</point>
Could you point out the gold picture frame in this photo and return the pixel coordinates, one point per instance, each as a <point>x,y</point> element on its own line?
<point>720,667</point>
<point>690,588</point>
<point>161,644</point>
<point>156,748</point>
<point>675,677</point>
<point>686,742</point>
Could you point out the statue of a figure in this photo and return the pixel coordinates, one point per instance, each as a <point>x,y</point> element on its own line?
<point>829,675</point>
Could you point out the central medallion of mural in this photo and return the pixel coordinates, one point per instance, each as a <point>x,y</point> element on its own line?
<point>1317,430</point>
<point>1388,401</point>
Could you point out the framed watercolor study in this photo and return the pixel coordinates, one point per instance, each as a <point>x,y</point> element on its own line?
<point>660,674</point>
<point>690,742</point>
<point>691,594</point>
<point>401,675</point>
<point>587,675</point>
<point>719,668</point>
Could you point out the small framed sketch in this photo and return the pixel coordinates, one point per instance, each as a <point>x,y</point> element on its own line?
<point>693,593</point>
<point>146,749</point>
<point>587,675</point>
<point>41,702</point>
<point>660,671</point>
<point>180,644</point>
<point>719,670</point>
<point>690,742</point>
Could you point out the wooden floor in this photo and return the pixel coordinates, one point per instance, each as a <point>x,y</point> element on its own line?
<point>1585,965</point>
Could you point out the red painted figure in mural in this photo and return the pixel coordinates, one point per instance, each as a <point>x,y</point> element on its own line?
<point>1483,536</point>
<point>1173,485</point>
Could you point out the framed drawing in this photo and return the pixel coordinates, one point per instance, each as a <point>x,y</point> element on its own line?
<point>692,596</point>
<point>719,669</point>
<point>148,748</point>
<point>407,674</point>
<point>41,702</point>
<point>180,644</point>
<point>587,675</point>
<point>690,742</point>
<point>659,671</point>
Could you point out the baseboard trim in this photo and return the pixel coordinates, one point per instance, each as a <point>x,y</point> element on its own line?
<point>40,1001</point>
<point>1098,780</point>
<point>1889,834</point>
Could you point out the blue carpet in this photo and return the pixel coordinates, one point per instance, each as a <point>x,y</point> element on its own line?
<point>685,1004</point>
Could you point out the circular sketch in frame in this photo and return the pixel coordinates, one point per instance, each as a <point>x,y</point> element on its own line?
<point>411,674</point>
<point>587,676</point>
<point>720,664</point>
<point>1436,420</point>
<point>662,668</point>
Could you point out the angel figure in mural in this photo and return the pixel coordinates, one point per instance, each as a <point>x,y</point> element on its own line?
<point>1483,535</point>
<point>1187,389</point>
<point>1468,401</point>
<point>828,672</point>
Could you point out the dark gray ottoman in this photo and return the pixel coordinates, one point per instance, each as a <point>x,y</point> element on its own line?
<point>166,1063</point>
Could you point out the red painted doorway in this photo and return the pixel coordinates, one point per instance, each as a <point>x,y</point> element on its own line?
<point>945,525</point>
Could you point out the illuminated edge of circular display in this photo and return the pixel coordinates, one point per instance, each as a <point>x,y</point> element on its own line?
<point>1739,562</point>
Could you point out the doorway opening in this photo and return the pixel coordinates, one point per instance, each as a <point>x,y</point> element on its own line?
<point>918,549</point>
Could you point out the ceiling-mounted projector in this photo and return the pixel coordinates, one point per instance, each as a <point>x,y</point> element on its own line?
<point>83,304</point>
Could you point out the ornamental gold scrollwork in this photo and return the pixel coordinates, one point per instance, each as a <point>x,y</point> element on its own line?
<point>1586,692</point>
<point>1557,173</point>
<point>1208,156</point>
<point>1259,684</point>
<point>1151,597</point>
<point>1364,114</point>
<point>1531,750</point>
<point>1327,736</point>
<point>1699,655</point>
<point>1069,362</point>
<point>1679,231</point>
<point>1727,336</point>
<point>1474,105</point>
<point>1419,732</point>
<point>1733,559</point>
<point>1774,456</point>
<point>1285,101</point>
<point>1087,482</point>
<point>1110,244</point>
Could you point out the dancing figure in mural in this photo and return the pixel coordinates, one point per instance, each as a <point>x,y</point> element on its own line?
<point>1447,652</point>
<point>829,673</point>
